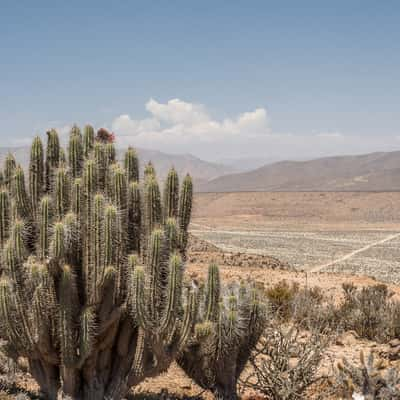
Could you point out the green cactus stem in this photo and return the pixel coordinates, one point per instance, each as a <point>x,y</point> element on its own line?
<point>227,331</point>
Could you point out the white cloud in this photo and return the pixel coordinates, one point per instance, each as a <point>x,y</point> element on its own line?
<point>177,121</point>
<point>182,127</point>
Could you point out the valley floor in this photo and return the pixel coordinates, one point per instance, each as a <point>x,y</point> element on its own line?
<point>357,233</point>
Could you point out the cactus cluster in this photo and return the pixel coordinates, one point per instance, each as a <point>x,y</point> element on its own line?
<point>229,324</point>
<point>91,286</point>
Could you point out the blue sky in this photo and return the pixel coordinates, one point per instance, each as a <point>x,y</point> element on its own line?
<point>218,79</point>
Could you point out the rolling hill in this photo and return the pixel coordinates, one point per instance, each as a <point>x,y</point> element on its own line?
<point>369,172</point>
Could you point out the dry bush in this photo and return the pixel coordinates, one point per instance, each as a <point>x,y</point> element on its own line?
<point>285,363</point>
<point>280,298</point>
<point>371,312</point>
<point>368,379</point>
<point>311,311</point>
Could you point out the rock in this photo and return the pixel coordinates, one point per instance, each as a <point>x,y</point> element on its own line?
<point>394,343</point>
<point>347,338</point>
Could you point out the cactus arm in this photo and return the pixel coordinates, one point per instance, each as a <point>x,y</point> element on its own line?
<point>86,334</point>
<point>110,153</point>
<point>5,216</point>
<point>173,294</point>
<point>171,195</point>
<point>57,249</point>
<point>134,218</point>
<point>88,140</point>
<point>171,234</point>
<point>76,197</point>
<point>7,315</point>
<point>154,271</point>
<point>137,297</point>
<point>188,319</point>
<point>97,250</point>
<point>9,169</point>
<point>149,171</point>
<point>62,193</point>
<point>119,188</point>
<point>44,225</point>
<point>36,173</point>
<point>68,310</point>
<point>185,210</point>
<point>152,205</point>
<point>52,158</point>
<point>21,196</point>
<point>131,164</point>
<point>75,153</point>
<point>212,294</point>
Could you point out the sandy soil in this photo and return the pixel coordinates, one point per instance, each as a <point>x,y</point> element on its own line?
<point>306,211</point>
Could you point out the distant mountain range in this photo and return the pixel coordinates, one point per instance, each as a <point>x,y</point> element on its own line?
<point>368,172</point>
<point>201,171</point>
<point>374,171</point>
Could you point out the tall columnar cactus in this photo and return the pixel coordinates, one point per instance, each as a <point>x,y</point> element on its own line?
<point>75,152</point>
<point>131,165</point>
<point>185,211</point>
<point>227,330</point>
<point>52,157</point>
<point>91,286</point>
<point>88,140</point>
<point>171,195</point>
<point>36,173</point>
<point>9,169</point>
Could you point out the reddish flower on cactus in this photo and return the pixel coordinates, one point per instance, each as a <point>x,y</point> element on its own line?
<point>104,136</point>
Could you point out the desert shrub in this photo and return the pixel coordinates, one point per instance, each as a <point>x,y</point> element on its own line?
<point>280,298</point>
<point>310,310</point>
<point>370,312</point>
<point>285,362</point>
<point>368,379</point>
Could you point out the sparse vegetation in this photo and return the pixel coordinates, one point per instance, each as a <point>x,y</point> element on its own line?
<point>370,312</point>
<point>368,379</point>
<point>285,362</point>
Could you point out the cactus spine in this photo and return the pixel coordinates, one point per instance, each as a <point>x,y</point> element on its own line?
<point>91,289</point>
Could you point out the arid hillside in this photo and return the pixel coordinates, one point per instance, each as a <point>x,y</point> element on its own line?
<point>374,171</point>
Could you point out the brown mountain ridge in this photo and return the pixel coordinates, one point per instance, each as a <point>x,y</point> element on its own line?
<point>378,171</point>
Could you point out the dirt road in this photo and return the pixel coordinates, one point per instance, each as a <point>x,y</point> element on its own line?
<point>353,253</point>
